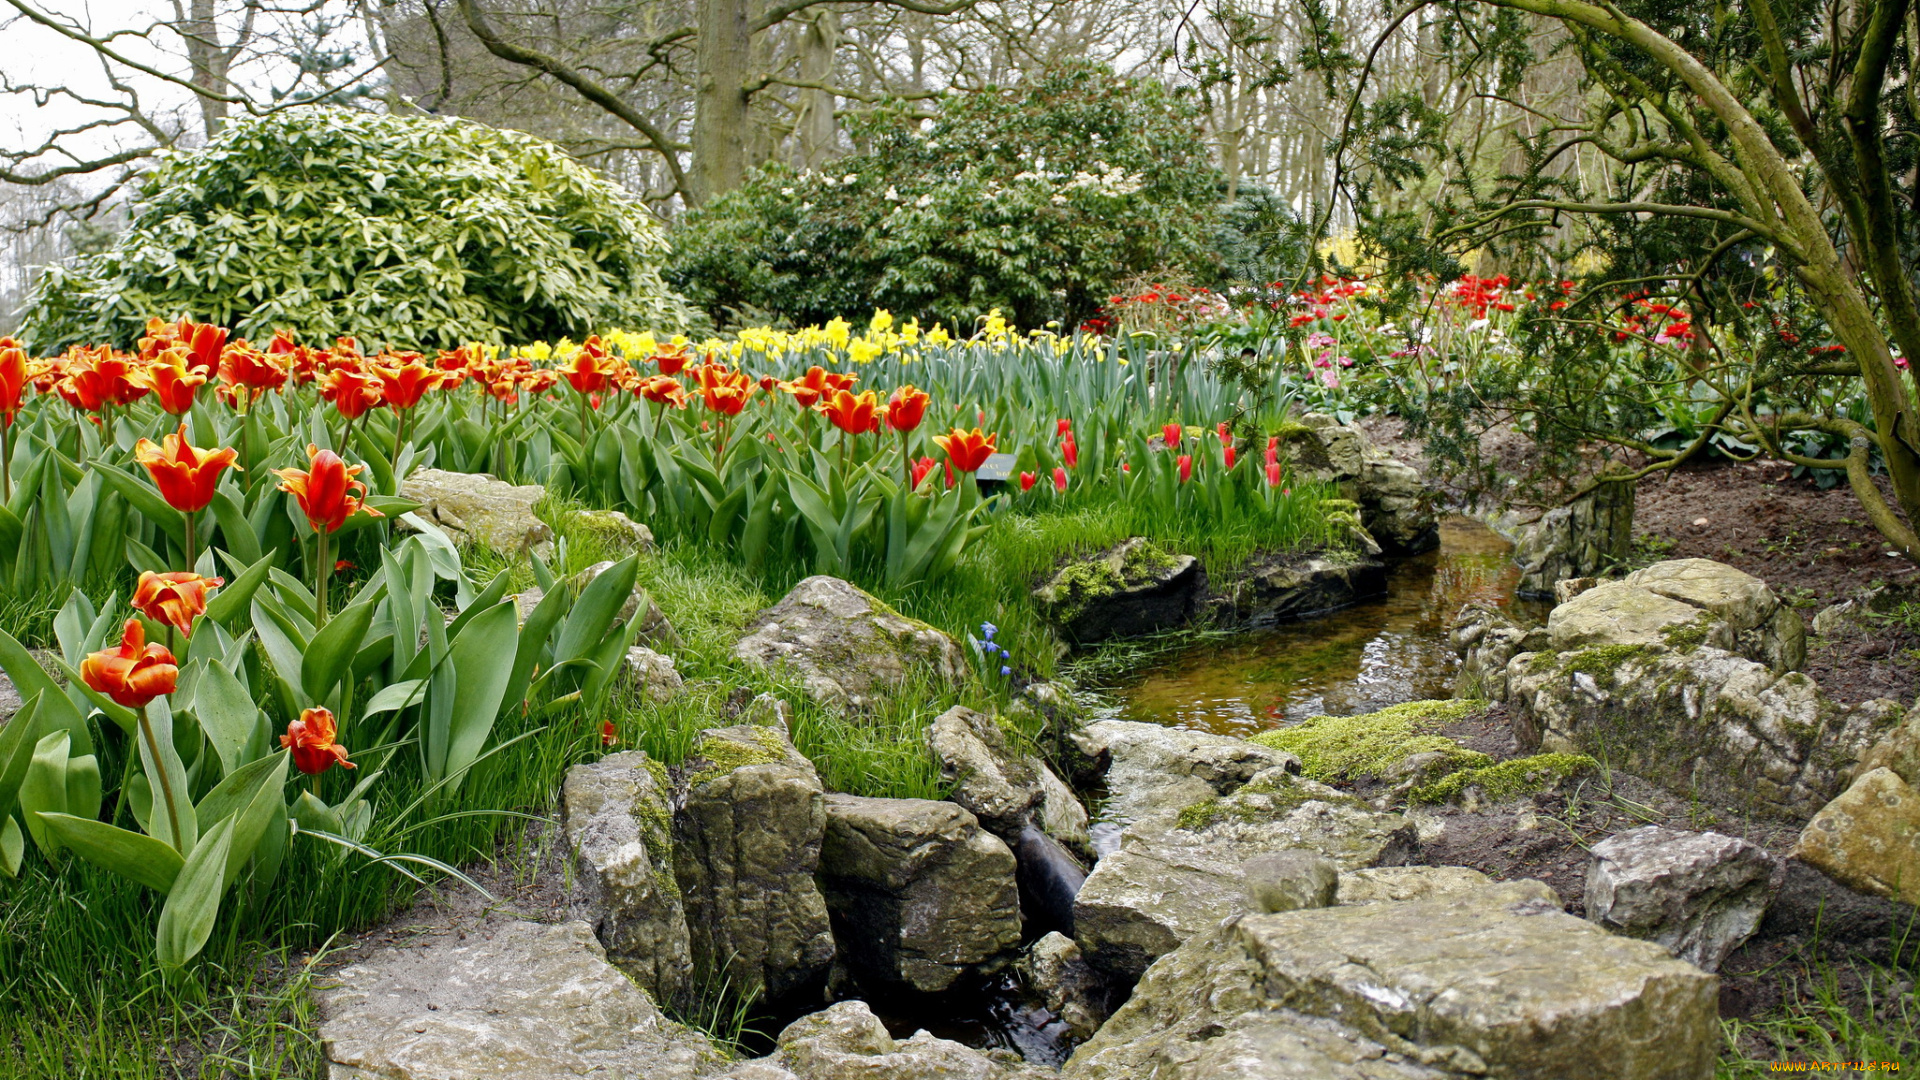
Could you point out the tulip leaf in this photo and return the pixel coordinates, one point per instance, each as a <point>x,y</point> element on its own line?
<point>112,709</point>
<point>226,713</point>
<point>231,601</point>
<point>487,597</point>
<point>329,656</point>
<point>145,499</point>
<point>13,846</point>
<point>11,530</point>
<point>593,614</point>
<point>277,637</point>
<point>479,658</point>
<point>186,920</point>
<point>533,641</point>
<point>143,558</point>
<point>134,856</point>
<point>235,530</point>
<point>255,810</point>
<point>44,788</point>
<point>171,820</point>
<point>395,697</point>
<point>16,751</point>
<point>84,791</point>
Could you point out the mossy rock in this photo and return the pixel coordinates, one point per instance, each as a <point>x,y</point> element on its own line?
<point>1130,589</point>
<point>1508,779</point>
<point>1333,749</point>
<point>723,751</point>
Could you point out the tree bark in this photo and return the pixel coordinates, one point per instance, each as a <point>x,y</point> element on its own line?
<point>722,54</point>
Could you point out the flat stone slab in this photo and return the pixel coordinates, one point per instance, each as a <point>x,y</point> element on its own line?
<point>847,648</point>
<point>1868,838</point>
<point>511,1000</point>
<point>474,508</point>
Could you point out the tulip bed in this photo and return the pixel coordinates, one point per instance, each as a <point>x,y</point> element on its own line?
<point>271,714</point>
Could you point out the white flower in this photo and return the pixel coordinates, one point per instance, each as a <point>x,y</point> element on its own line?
<point>1477,324</point>
<point>892,195</point>
<point>1059,200</point>
<point>786,191</point>
<point>849,178</point>
<point>923,201</point>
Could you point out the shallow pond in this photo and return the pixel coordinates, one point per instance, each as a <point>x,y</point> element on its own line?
<point>1366,657</point>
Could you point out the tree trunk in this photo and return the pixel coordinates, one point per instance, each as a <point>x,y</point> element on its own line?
<point>722,54</point>
<point>208,62</point>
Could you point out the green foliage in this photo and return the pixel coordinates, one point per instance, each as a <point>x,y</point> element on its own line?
<point>411,231</point>
<point>1336,748</point>
<point>1508,779</point>
<point>1037,200</point>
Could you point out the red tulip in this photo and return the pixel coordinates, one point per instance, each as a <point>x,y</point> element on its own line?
<point>966,450</point>
<point>1185,461</point>
<point>1059,479</point>
<point>1027,480</point>
<point>351,391</point>
<point>608,736</point>
<point>325,491</point>
<point>1273,450</point>
<point>1273,474</point>
<point>672,359</point>
<point>205,344</point>
<point>174,599</point>
<point>591,370</point>
<point>1170,434</point>
<point>663,390</point>
<point>1227,452</point>
<point>1070,452</point>
<point>724,391</point>
<point>920,470</point>
<point>134,673</point>
<point>1063,428</point>
<point>243,367</point>
<point>906,408</point>
<point>407,379</point>
<point>1226,434</point>
<point>185,475</point>
<point>855,414</point>
<point>310,739</point>
<point>808,389</point>
<point>173,383</point>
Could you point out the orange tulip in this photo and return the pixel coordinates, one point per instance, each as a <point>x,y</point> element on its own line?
<point>310,739</point>
<point>920,470</point>
<point>13,379</point>
<point>851,413</point>
<point>134,673</point>
<point>838,380</point>
<point>243,367</point>
<point>966,450</point>
<point>173,383</point>
<point>325,490</point>
<point>724,391</point>
<point>672,359</point>
<point>591,370</point>
<point>175,599</point>
<point>99,377</point>
<point>808,389</point>
<point>906,407</point>
<point>350,391</point>
<point>405,381</point>
<point>205,343</point>
<point>185,474</point>
<point>663,390</point>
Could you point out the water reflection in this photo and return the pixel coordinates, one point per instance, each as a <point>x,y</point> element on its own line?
<point>1357,660</point>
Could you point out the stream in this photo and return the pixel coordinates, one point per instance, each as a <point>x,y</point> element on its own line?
<point>1366,657</point>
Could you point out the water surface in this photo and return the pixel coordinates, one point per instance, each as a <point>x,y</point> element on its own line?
<point>1366,657</point>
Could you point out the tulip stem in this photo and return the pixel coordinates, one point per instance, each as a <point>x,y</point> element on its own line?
<point>6,459</point>
<point>320,581</point>
<point>166,782</point>
<point>192,535</point>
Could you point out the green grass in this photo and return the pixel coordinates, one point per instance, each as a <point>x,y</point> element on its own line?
<point>1835,1011</point>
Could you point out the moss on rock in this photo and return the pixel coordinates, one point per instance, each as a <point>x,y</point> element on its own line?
<point>1508,779</point>
<point>1337,748</point>
<point>720,756</point>
<point>1603,659</point>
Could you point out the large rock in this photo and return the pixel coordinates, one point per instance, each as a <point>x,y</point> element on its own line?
<point>1179,872</point>
<point>512,1000</point>
<point>1485,639</point>
<point>1682,604</point>
<point>1128,590</point>
<point>921,897</point>
<point>1279,589</point>
<point>613,529</point>
<point>1702,723</point>
<point>746,848</point>
<point>619,822</point>
<point>474,508</point>
<point>1385,884</point>
<point>1396,506</point>
<point>1495,982</point>
<point>847,1042</point>
<point>1002,784</point>
<point>847,648</point>
<point>1072,990</point>
<point>1699,894</point>
<point>1153,768</point>
<point>1868,838</point>
<point>653,675</point>
<point>1588,536</point>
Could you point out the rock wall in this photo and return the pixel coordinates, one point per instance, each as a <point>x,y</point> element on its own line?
<point>1583,538</point>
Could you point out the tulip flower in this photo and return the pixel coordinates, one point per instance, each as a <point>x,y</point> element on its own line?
<point>13,394</point>
<point>906,407</point>
<point>186,475</point>
<point>608,734</point>
<point>591,370</point>
<point>920,470</point>
<point>325,492</point>
<point>1059,479</point>
<point>133,675</point>
<point>1185,461</point>
<point>352,392</point>
<point>1170,434</point>
<point>135,672</point>
<point>1226,452</point>
<point>1273,474</point>
<point>1070,452</point>
<point>173,382</point>
<point>247,374</point>
<point>808,389</point>
<point>406,379</point>
<point>672,359</point>
<point>1027,480</point>
<point>1063,428</point>
<point>855,414</point>
<point>663,390</point>
<point>1273,450</point>
<point>205,345</point>
<point>966,450</point>
<point>310,740</point>
<point>175,599</point>
<point>1225,432</point>
<point>722,390</point>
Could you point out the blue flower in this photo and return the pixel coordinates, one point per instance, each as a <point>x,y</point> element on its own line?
<point>987,630</point>
<point>1006,670</point>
